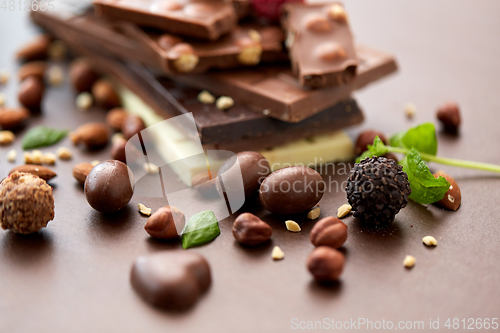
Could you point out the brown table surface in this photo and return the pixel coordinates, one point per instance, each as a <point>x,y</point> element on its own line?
<point>74,276</point>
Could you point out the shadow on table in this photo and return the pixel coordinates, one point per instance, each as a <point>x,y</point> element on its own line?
<point>27,249</point>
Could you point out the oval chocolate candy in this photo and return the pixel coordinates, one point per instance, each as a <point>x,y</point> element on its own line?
<point>291,190</point>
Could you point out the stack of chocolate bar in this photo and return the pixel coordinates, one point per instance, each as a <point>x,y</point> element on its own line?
<point>291,82</point>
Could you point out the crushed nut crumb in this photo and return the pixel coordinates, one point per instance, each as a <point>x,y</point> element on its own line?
<point>36,156</point>
<point>292,226</point>
<point>2,99</point>
<point>55,76</point>
<point>429,241</point>
<point>206,98</point>
<point>254,35</point>
<point>224,103</point>
<point>6,137</point>
<point>343,210</point>
<point>49,158</point>
<point>11,156</point>
<point>277,253</point>
<point>4,76</point>
<point>84,101</point>
<point>144,210</point>
<point>410,110</point>
<point>409,261</point>
<point>314,213</point>
<point>64,153</point>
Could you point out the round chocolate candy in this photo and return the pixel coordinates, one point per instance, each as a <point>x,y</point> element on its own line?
<point>108,186</point>
<point>291,190</point>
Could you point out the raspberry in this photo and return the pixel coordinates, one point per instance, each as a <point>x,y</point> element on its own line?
<point>270,9</point>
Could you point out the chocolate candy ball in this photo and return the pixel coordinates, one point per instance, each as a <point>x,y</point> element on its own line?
<point>108,186</point>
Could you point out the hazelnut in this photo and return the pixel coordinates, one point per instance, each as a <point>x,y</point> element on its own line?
<point>329,231</point>
<point>317,22</point>
<point>81,171</point>
<point>366,138</point>
<point>26,203</point>
<point>163,223</point>
<point>248,229</point>
<point>34,68</point>
<point>224,103</point>
<point>251,50</point>
<point>206,98</point>
<point>6,137</point>
<point>82,76</point>
<point>105,94</point>
<point>118,150</point>
<point>325,264</point>
<point>13,118</point>
<point>115,118</point>
<point>92,135</point>
<point>453,197</point>
<point>183,57</point>
<point>338,13</point>
<point>409,261</point>
<point>31,92</point>
<point>34,50</point>
<point>449,116</point>
<point>132,125</point>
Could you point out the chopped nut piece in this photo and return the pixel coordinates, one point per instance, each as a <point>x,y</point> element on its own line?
<point>429,241</point>
<point>64,153</point>
<point>292,226</point>
<point>183,57</point>
<point>2,99</point>
<point>56,76</point>
<point>254,35</point>
<point>410,110</point>
<point>314,213</point>
<point>11,156</point>
<point>57,50</point>
<point>28,159</point>
<point>151,168</point>
<point>116,137</point>
<point>6,137</point>
<point>338,13</point>
<point>409,261</point>
<point>277,253</point>
<point>36,156</point>
<point>49,158</point>
<point>343,210</point>
<point>144,210</point>
<point>94,163</point>
<point>250,55</point>
<point>224,103</point>
<point>84,101</point>
<point>4,76</point>
<point>206,98</point>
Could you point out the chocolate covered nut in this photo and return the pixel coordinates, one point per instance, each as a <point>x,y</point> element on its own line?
<point>254,169</point>
<point>108,186</point>
<point>132,125</point>
<point>118,150</point>
<point>165,222</point>
<point>449,116</point>
<point>115,118</point>
<point>35,49</point>
<point>291,190</point>
<point>248,229</point>
<point>31,92</point>
<point>82,76</point>
<point>325,264</point>
<point>329,231</point>
<point>105,94</point>
<point>81,171</point>
<point>172,280</point>
<point>184,58</point>
<point>26,203</point>
<point>366,138</point>
<point>453,197</point>
<point>92,135</point>
<point>12,118</point>
<point>33,68</point>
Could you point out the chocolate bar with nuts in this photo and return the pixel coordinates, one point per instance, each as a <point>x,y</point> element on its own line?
<point>320,44</point>
<point>204,19</point>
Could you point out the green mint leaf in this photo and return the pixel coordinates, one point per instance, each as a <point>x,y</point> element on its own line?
<point>201,229</point>
<point>42,136</point>
<point>422,137</point>
<point>378,149</point>
<point>425,188</point>
<point>396,140</point>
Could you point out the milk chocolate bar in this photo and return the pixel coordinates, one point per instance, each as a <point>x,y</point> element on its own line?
<point>320,44</point>
<point>204,19</point>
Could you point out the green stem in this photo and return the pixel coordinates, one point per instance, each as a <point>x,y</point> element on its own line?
<point>450,161</point>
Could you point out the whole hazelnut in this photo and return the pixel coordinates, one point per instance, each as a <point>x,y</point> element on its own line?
<point>36,49</point>
<point>366,138</point>
<point>118,150</point>
<point>453,197</point>
<point>325,264</point>
<point>105,94</point>
<point>329,231</point>
<point>33,68</point>
<point>26,203</point>
<point>115,118</point>
<point>165,222</point>
<point>92,135</point>
<point>82,76</point>
<point>132,125</point>
<point>31,92</point>
<point>449,116</point>
<point>248,229</point>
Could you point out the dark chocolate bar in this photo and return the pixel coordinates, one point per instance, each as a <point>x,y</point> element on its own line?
<point>205,19</point>
<point>320,44</point>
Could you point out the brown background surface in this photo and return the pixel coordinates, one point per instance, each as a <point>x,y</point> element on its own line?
<point>73,276</point>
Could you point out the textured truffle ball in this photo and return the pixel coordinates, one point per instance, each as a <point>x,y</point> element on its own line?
<point>377,189</point>
<point>26,203</point>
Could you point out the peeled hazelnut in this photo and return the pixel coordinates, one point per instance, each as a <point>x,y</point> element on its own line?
<point>92,135</point>
<point>452,198</point>
<point>162,224</point>
<point>316,22</point>
<point>118,150</point>
<point>31,92</point>
<point>183,57</point>
<point>251,50</point>
<point>409,261</point>
<point>224,103</point>
<point>325,264</point>
<point>6,137</point>
<point>33,68</point>
<point>34,50</point>
<point>366,138</point>
<point>81,171</point>
<point>105,94</point>
<point>26,203</point>
<point>449,116</point>
<point>206,98</point>
<point>329,231</point>
<point>132,125</point>
<point>166,41</point>
<point>115,118</point>
<point>248,229</point>
<point>82,76</point>
<point>13,118</point>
